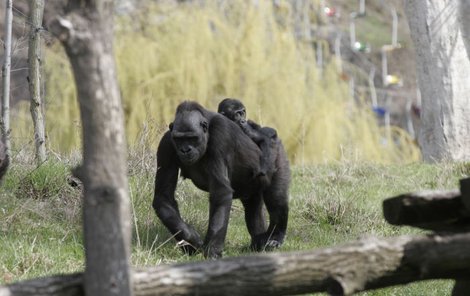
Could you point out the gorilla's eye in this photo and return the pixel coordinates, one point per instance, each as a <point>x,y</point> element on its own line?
<point>204,126</point>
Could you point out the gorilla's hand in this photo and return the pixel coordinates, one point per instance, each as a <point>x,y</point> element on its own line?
<point>190,241</point>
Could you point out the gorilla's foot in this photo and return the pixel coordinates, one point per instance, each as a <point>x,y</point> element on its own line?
<point>264,242</point>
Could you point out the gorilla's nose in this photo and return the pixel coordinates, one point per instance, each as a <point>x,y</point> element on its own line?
<point>185,150</point>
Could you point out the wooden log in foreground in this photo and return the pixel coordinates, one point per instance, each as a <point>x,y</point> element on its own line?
<point>465,191</point>
<point>434,210</point>
<point>363,265</point>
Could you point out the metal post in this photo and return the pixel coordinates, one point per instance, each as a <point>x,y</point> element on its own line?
<point>319,55</point>
<point>352,88</point>
<point>373,92</point>
<point>394,27</point>
<point>388,130</point>
<point>362,7</point>
<point>339,61</point>
<point>409,120</point>
<point>352,28</point>
<point>322,7</point>
<point>306,21</point>
<point>384,66</point>
<point>298,18</point>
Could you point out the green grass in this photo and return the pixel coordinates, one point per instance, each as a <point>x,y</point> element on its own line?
<point>40,215</point>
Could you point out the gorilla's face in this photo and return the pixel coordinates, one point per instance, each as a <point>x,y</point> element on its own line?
<point>233,109</point>
<point>189,134</point>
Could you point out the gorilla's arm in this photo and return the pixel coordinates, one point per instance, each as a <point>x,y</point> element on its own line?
<point>164,201</point>
<point>265,138</point>
<point>220,190</point>
<point>251,129</point>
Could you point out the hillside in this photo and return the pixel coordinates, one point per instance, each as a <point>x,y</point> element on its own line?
<point>374,29</point>
<point>234,49</point>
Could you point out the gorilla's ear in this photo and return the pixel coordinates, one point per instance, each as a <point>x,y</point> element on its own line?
<point>170,126</point>
<point>204,126</point>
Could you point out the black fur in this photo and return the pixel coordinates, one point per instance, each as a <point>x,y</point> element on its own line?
<point>264,137</point>
<point>222,160</point>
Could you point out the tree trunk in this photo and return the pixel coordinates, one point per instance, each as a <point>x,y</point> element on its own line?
<point>5,118</point>
<point>86,33</point>
<point>440,33</point>
<point>36,8</point>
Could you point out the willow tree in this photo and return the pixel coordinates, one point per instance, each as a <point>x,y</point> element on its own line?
<point>440,31</point>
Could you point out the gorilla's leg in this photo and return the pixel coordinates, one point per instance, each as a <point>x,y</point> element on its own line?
<point>276,199</point>
<point>278,215</point>
<point>254,215</point>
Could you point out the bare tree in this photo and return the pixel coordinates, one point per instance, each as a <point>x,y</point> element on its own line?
<point>440,32</point>
<point>36,8</point>
<point>86,32</point>
<point>5,118</point>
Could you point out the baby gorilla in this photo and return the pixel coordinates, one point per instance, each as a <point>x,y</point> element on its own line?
<point>264,137</point>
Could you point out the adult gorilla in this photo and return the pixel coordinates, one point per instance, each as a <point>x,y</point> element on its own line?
<point>219,158</point>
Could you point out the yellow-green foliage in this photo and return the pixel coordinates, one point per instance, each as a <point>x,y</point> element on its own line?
<point>62,112</point>
<point>204,53</point>
<point>63,128</point>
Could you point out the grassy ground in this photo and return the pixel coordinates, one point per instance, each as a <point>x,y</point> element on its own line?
<point>40,216</point>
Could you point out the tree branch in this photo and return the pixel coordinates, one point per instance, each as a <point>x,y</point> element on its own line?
<point>434,210</point>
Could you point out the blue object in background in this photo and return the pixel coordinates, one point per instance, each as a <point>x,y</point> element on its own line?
<point>379,111</point>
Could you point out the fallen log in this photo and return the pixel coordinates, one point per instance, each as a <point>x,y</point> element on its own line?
<point>465,191</point>
<point>433,210</point>
<point>362,265</point>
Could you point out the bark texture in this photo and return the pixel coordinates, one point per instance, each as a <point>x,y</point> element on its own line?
<point>5,118</point>
<point>433,210</point>
<point>86,32</point>
<point>362,265</point>
<point>440,32</point>
<point>36,8</point>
